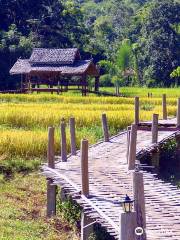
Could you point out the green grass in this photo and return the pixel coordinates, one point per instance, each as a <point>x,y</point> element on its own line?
<point>143,92</point>
<point>22,211</point>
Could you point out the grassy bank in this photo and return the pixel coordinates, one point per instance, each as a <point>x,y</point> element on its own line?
<point>22,211</point>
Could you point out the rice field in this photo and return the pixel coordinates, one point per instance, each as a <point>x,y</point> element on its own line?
<point>24,119</point>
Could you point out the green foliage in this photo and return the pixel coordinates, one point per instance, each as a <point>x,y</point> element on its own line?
<point>8,167</point>
<point>69,210</point>
<point>124,58</point>
<point>175,73</point>
<point>105,80</point>
<point>153,30</point>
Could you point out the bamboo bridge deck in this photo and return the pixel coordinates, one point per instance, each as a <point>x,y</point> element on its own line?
<point>110,180</point>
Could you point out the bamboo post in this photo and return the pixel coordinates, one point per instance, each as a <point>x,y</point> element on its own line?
<point>164,106</point>
<point>178,113</point>
<point>105,127</point>
<point>136,111</point>
<point>132,147</point>
<point>51,189</point>
<point>139,201</point>
<point>154,129</point>
<point>128,140</point>
<point>127,226</point>
<point>155,159</point>
<point>73,135</point>
<point>84,167</point>
<point>63,142</point>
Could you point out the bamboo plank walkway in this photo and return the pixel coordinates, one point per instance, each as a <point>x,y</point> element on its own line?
<point>110,181</point>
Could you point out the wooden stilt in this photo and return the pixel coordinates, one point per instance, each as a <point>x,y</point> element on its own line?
<point>139,201</point>
<point>155,159</point>
<point>164,106</point>
<point>63,141</point>
<point>86,222</point>
<point>155,128</point>
<point>105,127</point>
<point>132,148</point>
<point>51,189</point>
<point>84,167</point>
<point>73,135</point>
<point>136,105</point>
<point>178,112</point>
<point>86,227</point>
<point>127,226</point>
<point>96,87</point>
<point>58,88</point>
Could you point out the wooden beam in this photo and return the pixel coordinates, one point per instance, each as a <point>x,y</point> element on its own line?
<point>160,129</point>
<point>139,201</point>
<point>136,111</point>
<point>84,168</point>
<point>128,140</point>
<point>72,135</point>
<point>50,150</point>
<point>63,141</point>
<point>127,226</point>
<point>154,128</point>
<point>51,189</point>
<point>105,127</point>
<point>164,106</point>
<point>132,148</point>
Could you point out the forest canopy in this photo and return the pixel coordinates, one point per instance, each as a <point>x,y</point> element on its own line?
<point>135,42</point>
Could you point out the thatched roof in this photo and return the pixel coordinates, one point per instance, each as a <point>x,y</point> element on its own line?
<point>61,61</point>
<point>22,66</point>
<point>54,56</point>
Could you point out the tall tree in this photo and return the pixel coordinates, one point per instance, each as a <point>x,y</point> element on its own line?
<point>158,40</point>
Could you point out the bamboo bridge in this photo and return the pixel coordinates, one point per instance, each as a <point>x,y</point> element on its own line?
<point>99,176</point>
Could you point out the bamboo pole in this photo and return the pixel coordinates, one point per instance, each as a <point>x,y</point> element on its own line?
<point>51,189</point>
<point>132,147</point>
<point>127,226</point>
<point>105,127</point>
<point>84,167</point>
<point>73,135</point>
<point>139,201</point>
<point>63,142</point>
<point>136,110</point>
<point>164,106</point>
<point>154,128</point>
<point>178,112</point>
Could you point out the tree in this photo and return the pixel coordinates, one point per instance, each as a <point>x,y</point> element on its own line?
<point>176,75</point>
<point>158,41</point>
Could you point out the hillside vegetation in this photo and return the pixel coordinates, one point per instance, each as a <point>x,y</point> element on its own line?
<point>135,42</point>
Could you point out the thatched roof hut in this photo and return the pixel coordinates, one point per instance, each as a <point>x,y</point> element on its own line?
<point>54,64</point>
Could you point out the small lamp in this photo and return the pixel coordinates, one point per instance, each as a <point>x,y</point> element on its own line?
<point>127,204</point>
